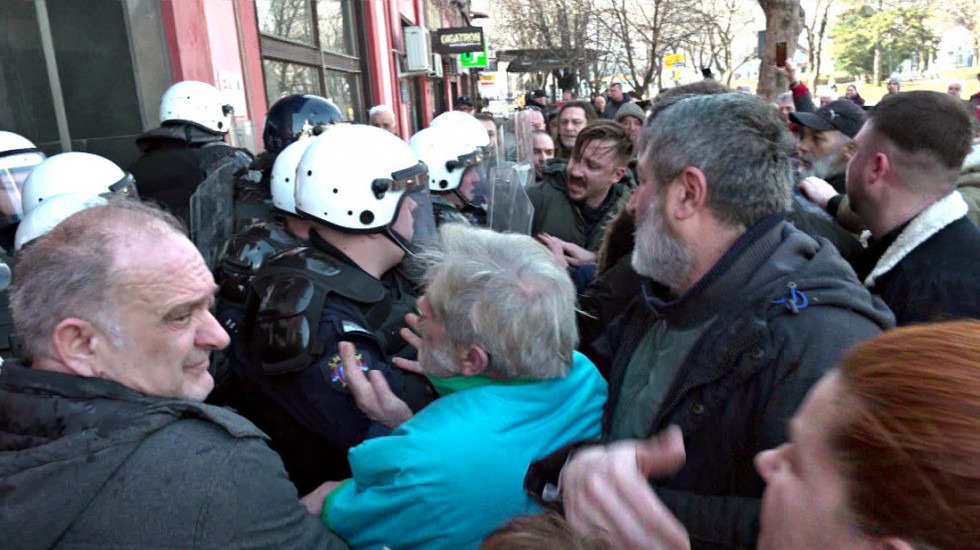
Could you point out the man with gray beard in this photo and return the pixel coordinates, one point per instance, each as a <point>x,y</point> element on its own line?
<point>825,141</point>
<point>750,312</point>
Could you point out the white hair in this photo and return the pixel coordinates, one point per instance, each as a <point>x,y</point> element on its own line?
<point>506,293</point>
<point>380,109</point>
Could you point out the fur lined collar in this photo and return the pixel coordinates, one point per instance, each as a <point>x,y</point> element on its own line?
<point>929,222</point>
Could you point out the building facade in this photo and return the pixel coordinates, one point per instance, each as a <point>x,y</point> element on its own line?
<point>87,75</point>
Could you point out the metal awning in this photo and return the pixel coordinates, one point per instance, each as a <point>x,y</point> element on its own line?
<point>530,61</point>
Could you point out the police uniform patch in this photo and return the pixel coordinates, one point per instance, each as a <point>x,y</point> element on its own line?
<point>350,327</point>
<point>338,379</point>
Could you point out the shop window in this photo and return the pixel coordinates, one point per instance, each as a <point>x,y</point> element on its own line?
<point>287,19</point>
<point>335,25</point>
<point>313,46</point>
<point>283,78</point>
<point>344,89</point>
<point>112,67</point>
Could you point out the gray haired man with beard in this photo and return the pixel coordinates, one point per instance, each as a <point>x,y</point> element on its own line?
<point>826,135</point>
<point>750,313</point>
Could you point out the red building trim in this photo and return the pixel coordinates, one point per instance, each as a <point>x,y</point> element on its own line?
<point>252,62</point>
<point>374,53</point>
<point>187,39</point>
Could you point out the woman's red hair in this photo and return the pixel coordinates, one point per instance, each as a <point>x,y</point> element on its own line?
<point>909,438</point>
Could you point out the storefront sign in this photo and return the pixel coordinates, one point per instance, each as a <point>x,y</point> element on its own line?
<point>473,60</point>
<point>458,40</point>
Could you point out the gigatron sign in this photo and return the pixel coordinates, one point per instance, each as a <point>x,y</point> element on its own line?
<point>458,40</point>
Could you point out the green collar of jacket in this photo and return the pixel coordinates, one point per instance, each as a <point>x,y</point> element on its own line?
<point>446,386</point>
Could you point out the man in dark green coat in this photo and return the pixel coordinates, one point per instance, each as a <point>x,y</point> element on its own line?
<point>572,202</point>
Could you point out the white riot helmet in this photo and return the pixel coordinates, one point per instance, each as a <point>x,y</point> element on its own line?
<point>471,130</point>
<point>446,155</point>
<point>196,103</point>
<point>84,173</point>
<point>54,210</point>
<point>283,177</point>
<point>18,156</point>
<point>355,178</point>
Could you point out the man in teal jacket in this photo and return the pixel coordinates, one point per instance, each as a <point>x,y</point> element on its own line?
<point>497,337</point>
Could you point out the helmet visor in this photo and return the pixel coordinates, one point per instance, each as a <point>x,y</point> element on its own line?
<point>402,181</point>
<point>414,221</point>
<point>14,170</point>
<point>473,185</point>
<point>126,187</point>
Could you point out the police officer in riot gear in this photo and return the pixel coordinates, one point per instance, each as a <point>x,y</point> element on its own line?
<point>187,166</point>
<point>248,249</point>
<point>75,172</point>
<point>18,156</point>
<point>289,119</point>
<point>242,257</point>
<point>455,168</point>
<point>347,285</point>
<point>465,187</point>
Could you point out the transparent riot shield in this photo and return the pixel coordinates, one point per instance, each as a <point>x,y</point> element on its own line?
<point>515,139</point>
<point>424,222</point>
<point>212,207</point>
<point>510,208</point>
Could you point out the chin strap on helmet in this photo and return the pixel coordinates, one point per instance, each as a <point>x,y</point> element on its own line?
<point>465,201</point>
<point>398,240</point>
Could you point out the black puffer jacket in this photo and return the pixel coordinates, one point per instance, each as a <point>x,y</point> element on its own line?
<point>88,463</point>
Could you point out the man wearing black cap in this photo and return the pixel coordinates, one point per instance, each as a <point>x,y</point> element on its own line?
<point>826,139</point>
<point>540,97</point>
<point>465,104</point>
<point>824,150</point>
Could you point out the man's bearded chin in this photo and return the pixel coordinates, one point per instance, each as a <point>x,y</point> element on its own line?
<point>824,168</point>
<point>658,254</point>
<point>438,361</point>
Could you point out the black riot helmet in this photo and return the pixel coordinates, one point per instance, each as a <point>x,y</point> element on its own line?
<point>296,116</point>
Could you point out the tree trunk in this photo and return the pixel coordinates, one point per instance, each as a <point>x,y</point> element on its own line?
<point>877,76</point>
<point>822,30</point>
<point>784,21</point>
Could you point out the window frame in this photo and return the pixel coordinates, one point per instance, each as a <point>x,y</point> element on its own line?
<point>281,49</point>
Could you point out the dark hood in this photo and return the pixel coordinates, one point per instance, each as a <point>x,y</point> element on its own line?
<point>175,134</point>
<point>772,265</point>
<point>818,271</point>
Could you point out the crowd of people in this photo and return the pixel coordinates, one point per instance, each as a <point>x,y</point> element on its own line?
<point>733,324</point>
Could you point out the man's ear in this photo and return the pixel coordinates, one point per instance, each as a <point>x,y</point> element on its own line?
<point>474,360</point>
<point>75,343</point>
<point>619,173</point>
<point>879,166</point>
<point>688,193</point>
